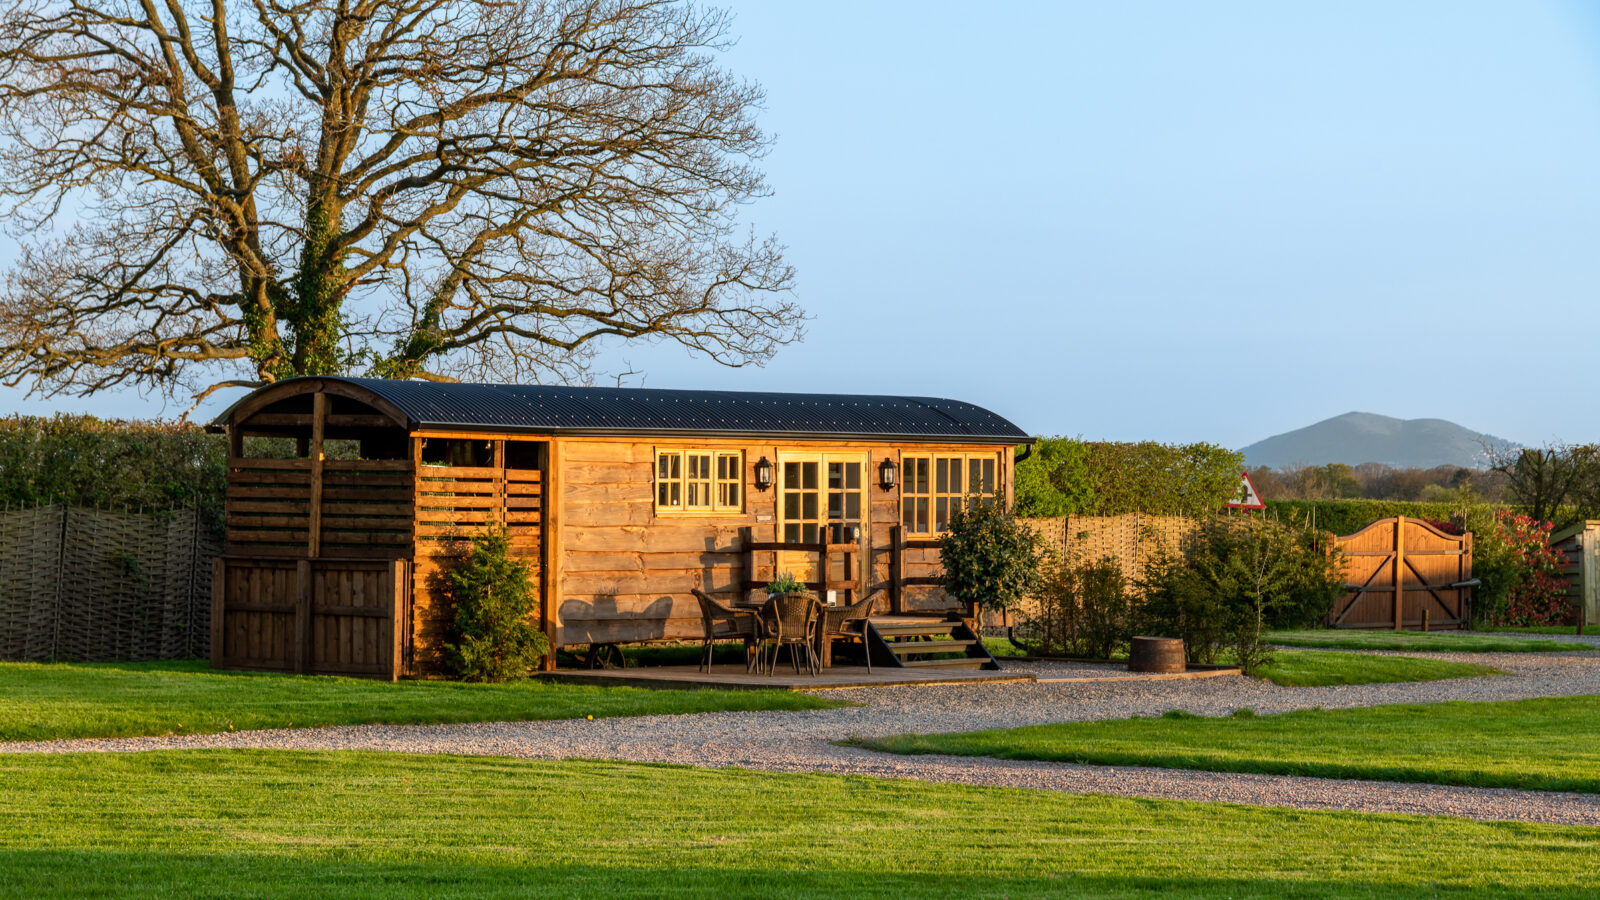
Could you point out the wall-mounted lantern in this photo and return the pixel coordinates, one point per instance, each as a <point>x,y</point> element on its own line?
<point>887,473</point>
<point>763,474</point>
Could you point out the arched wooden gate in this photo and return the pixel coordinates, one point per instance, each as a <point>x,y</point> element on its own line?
<point>1404,573</point>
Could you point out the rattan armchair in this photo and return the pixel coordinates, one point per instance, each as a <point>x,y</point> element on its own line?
<point>848,622</point>
<point>725,623</point>
<point>790,620</point>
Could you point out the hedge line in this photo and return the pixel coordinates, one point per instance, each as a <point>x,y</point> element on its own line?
<point>81,460</point>
<point>1348,516</point>
<point>1070,477</point>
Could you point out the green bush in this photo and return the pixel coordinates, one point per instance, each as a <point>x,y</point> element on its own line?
<point>492,635</point>
<point>990,556</point>
<point>1244,574</point>
<point>1084,610</point>
<point>1066,477</point>
<point>84,461</point>
<point>1350,516</point>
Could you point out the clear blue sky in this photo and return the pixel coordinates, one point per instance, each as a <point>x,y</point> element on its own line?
<point>1175,221</point>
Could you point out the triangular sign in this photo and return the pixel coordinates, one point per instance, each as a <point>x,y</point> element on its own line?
<point>1245,496</point>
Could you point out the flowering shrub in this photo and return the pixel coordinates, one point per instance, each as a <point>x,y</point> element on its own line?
<point>1530,571</point>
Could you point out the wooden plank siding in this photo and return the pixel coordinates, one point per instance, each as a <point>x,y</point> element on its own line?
<point>627,571</point>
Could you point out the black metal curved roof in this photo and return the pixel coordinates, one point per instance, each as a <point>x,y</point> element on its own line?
<point>541,408</point>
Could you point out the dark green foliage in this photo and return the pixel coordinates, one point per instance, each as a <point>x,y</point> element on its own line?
<point>1084,610</point>
<point>786,584</point>
<point>990,556</point>
<point>493,636</point>
<point>1350,516</point>
<point>1243,575</point>
<point>84,461</point>
<point>1066,476</point>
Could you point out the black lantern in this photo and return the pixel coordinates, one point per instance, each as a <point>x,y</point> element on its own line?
<point>887,473</point>
<point>763,474</point>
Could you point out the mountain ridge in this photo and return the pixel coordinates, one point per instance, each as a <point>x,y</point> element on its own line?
<point>1360,437</point>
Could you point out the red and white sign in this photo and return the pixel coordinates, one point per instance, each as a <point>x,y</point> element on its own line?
<point>1246,496</point>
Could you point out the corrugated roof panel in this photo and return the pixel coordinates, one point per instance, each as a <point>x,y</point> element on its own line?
<point>623,410</point>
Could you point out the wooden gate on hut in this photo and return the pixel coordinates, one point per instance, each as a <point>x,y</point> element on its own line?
<point>1404,573</point>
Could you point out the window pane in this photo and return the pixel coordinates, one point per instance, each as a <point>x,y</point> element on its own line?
<point>922,476</point>
<point>941,512</point>
<point>673,497</point>
<point>695,496</point>
<point>922,515</point>
<point>661,466</point>
<point>852,476</point>
<point>941,478</point>
<point>810,532</point>
<point>852,507</point>
<point>730,494</point>
<point>908,474</point>
<point>988,476</point>
<point>791,534</point>
<point>661,494</point>
<point>908,513</point>
<point>808,507</point>
<point>810,475</point>
<point>791,475</point>
<point>835,475</point>
<point>835,505</point>
<point>791,506</point>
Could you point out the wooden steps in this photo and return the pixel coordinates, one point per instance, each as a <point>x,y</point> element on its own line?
<point>926,642</point>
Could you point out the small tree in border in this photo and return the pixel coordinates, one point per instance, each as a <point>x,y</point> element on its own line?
<point>492,635</point>
<point>991,558</point>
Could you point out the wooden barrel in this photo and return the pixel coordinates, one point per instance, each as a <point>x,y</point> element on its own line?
<point>1156,654</point>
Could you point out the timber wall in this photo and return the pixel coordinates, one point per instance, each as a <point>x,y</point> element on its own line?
<point>625,573</point>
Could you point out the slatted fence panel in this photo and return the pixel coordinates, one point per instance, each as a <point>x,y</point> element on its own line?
<point>367,508</point>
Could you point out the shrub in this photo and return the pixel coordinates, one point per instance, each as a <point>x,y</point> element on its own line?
<point>1084,609</point>
<point>492,636</point>
<point>1520,574</point>
<point>1243,575</point>
<point>786,584</point>
<point>1066,477</point>
<point>990,557</point>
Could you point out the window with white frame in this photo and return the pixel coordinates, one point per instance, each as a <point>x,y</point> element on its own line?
<point>934,485</point>
<point>699,481</point>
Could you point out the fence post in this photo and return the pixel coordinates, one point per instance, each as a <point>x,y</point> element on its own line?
<point>897,549</point>
<point>1399,571</point>
<point>219,587</point>
<point>61,575</point>
<point>302,615</point>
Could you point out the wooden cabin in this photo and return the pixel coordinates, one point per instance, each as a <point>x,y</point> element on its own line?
<point>621,500</point>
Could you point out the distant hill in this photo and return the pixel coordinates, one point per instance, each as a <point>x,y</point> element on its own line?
<point>1358,437</point>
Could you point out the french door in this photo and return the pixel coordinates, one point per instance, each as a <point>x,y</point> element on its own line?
<point>821,497</point>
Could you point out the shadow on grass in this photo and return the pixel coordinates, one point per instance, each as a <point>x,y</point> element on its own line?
<point>85,873</point>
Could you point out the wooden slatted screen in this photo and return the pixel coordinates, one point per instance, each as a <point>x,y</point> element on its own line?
<point>316,616</point>
<point>1402,572</point>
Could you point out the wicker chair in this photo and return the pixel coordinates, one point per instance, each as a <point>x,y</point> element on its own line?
<point>848,622</point>
<point>790,620</point>
<point>725,623</point>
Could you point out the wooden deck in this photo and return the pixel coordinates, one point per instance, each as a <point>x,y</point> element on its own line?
<point>734,677</point>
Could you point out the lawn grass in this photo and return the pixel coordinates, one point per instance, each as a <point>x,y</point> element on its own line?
<point>1542,744</point>
<point>1313,668</point>
<point>284,825</point>
<point>39,701</point>
<point>1431,641</point>
<point>1540,629</point>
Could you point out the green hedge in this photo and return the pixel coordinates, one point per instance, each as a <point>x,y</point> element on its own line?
<point>84,461</point>
<point>1348,516</point>
<point>1070,477</point>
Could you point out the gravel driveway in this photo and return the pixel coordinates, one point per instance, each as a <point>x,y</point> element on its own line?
<point>801,741</point>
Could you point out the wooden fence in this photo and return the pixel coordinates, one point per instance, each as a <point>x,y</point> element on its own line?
<point>311,616</point>
<point>103,586</point>
<point>1404,573</point>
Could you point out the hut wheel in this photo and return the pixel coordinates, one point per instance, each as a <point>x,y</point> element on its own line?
<point>605,656</point>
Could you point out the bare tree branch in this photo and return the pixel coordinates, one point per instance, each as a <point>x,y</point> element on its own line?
<point>415,188</point>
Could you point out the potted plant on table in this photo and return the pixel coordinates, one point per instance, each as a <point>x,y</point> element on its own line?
<point>786,585</point>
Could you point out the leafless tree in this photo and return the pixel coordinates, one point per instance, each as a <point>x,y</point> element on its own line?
<point>212,192</point>
<point>1558,483</point>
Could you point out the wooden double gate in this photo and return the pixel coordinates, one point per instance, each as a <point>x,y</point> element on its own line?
<point>1404,573</point>
<point>313,616</point>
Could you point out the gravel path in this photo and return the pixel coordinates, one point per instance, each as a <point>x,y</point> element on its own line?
<point>801,741</point>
